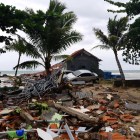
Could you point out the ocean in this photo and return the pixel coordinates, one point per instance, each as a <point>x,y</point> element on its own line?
<point>129,74</point>
<point>12,73</point>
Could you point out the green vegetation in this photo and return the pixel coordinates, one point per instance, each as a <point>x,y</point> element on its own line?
<point>20,47</point>
<point>49,33</point>
<point>2,51</point>
<point>105,82</point>
<point>131,49</point>
<point>116,38</point>
<point>11,19</point>
<point>18,82</point>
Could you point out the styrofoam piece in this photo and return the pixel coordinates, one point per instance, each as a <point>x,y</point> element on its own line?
<point>132,129</point>
<point>109,129</point>
<point>44,135</point>
<point>99,112</point>
<point>82,107</point>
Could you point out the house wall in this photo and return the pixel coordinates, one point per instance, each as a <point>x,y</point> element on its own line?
<point>82,59</point>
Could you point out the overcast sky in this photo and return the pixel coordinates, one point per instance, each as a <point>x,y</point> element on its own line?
<point>91,14</point>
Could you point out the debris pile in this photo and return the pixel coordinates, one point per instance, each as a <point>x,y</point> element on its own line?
<point>55,109</point>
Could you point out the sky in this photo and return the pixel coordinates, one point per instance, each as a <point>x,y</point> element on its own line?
<point>91,14</point>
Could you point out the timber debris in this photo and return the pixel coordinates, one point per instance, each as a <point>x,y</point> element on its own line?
<point>57,109</point>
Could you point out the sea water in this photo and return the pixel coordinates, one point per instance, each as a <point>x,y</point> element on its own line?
<point>12,73</point>
<point>129,74</point>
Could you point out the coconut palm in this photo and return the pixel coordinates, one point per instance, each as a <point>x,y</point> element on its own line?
<point>116,39</point>
<point>20,47</point>
<point>50,35</point>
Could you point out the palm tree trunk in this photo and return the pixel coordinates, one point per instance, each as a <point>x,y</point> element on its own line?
<point>47,67</point>
<point>120,68</point>
<point>17,64</point>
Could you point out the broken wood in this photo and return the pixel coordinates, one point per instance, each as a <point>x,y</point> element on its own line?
<point>77,114</point>
<point>29,119</point>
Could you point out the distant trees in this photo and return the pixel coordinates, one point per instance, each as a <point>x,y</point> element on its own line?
<point>131,50</point>
<point>116,38</point>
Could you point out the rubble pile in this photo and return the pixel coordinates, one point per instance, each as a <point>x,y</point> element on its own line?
<point>67,112</point>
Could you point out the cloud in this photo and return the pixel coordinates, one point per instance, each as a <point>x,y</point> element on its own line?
<point>91,14</point>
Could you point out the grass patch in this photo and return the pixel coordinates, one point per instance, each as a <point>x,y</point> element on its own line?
<point>105,82</point>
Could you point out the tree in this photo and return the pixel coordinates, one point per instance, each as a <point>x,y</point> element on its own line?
<point>115,40</point>
<point>11,19</point>
<point>131,50</point>
<point>2,51</point>
<point>50,33</point>
<point>20,47</point>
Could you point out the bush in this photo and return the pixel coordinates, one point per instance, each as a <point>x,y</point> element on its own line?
<point>105,82</point>
<point>18,82</point>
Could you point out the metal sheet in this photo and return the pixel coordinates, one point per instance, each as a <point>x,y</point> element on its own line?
<point>84,94</point>
<point>133,106</point>
<point>69,132</point>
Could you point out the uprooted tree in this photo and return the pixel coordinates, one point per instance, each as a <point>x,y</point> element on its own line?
<point>131,50</point>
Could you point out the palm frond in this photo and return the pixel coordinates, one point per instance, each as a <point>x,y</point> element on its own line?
<point>29,65</point>
<point>30,50</point>
<point>113,40</point>
<point>60,57</point>
<point>16,45</point>
<point>106,47</point>
<point>117,27</point>
<point>100,35</point>
<point>68,19</point>
<point>56,6</point>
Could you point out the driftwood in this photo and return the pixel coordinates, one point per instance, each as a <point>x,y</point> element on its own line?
<point>77,114</point>
<point>74,96</point>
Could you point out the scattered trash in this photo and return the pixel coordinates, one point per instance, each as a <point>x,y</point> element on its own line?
<point>55,109</point>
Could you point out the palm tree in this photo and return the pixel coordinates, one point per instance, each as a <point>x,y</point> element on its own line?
<point>20,47</point>
<point>50,33</point>
<point>116,39</point>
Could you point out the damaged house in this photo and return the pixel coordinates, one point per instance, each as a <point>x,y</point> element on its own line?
<point>82,59</point>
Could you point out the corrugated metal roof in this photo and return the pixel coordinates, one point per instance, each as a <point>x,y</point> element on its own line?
<point>81,50</point>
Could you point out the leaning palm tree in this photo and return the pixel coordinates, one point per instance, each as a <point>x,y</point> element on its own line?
<point>116,39</point>
<point>50,33</point>
<point>20,47</point>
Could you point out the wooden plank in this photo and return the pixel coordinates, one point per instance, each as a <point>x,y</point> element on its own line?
<point>29,119</point>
